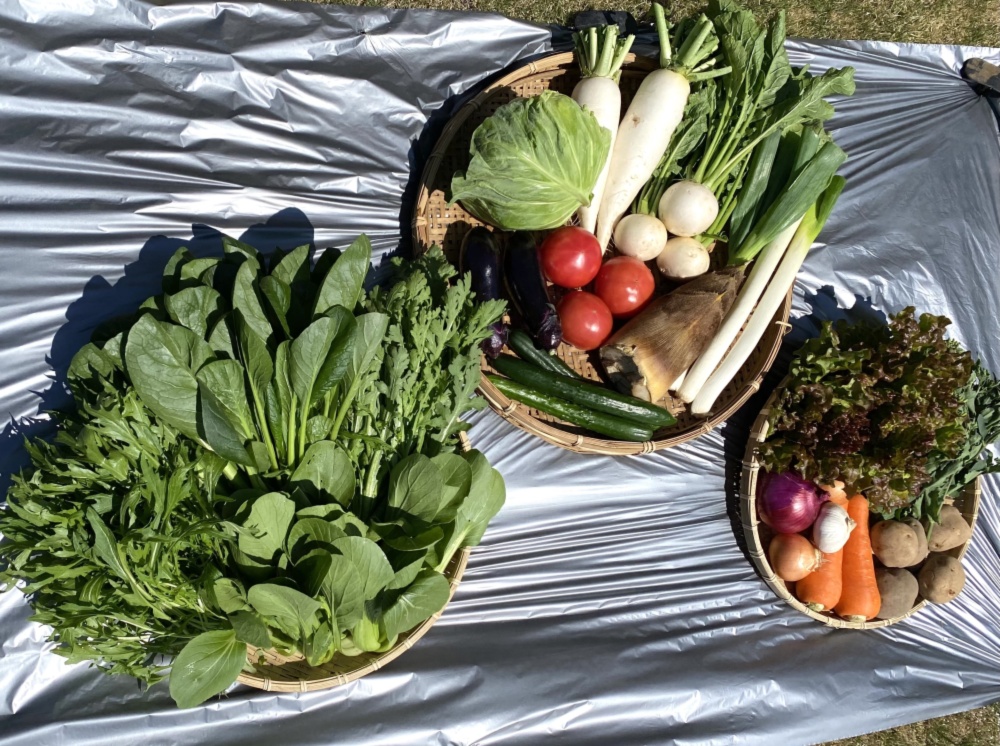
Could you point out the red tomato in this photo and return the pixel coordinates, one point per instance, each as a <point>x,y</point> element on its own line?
<point>586,320</point>
<point>570,256</point>
<point>625,284</point>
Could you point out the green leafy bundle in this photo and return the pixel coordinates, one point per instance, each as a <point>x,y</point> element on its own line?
<point>209,490</point>
<point>534,162</point>
<point>898,412</point>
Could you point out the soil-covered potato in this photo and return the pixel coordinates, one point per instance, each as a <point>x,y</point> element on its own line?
<point>921,532</point>
<point>898,588</point>
<point>895,543</point>
<point>941,578</point>
<point>953,531</point>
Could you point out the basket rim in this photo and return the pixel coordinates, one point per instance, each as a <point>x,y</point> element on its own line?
<point>751,527</point>
<point>453,572</point>
<point>516,413</point>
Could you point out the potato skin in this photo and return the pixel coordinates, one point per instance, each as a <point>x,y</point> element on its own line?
<point>894,543</point>
<point>951,532</point>
<point>898,588</point>
<point>921,532</point>
<point>941,578</point>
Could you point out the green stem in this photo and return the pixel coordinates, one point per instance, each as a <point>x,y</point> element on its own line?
<point>691,50</point>
<point>292,410</point>
<point>663,32</point>
<point>264,430</point>
<point>603,67</point>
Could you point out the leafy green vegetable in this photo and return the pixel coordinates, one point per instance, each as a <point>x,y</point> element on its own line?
<point>249,462</point>
<point>533,163</point>
<point>897,412</point>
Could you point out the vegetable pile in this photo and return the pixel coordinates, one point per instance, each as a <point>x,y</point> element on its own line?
<point>899,416</point>
<point>721,149</point>
<point>262,456</point>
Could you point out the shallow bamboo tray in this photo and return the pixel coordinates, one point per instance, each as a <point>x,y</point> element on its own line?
<point>758,534</point>
<point>437,222</point>
<point>281,673</point>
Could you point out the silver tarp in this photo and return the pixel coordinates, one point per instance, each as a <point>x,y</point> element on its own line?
<point>610,602</point>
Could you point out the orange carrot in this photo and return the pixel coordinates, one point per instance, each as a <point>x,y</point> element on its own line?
<point>859,598</point>
<point>820,590</point>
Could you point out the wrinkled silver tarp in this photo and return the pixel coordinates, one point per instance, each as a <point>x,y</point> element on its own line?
<point>610,602</point>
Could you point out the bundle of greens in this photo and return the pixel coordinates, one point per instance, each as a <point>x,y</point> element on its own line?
<point>728,117</point>
<point>897,412</point>
<point>263,456</point>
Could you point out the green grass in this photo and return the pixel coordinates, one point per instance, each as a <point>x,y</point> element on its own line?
<point>930,21</point>
<point>975,22</point>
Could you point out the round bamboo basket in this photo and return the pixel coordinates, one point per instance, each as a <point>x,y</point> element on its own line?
<point>758,534</point>
<point>437,222</point>
<point>279,673</point>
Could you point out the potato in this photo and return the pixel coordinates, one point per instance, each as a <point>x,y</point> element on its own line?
<point>921,532</point>
<point>941,578</point>
<point>894,543</point>
<point>953,531</point>
<point>898,588</point>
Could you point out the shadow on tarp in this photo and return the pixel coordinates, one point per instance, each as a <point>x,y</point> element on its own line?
<point>102,302</point>
<point>736,430</point>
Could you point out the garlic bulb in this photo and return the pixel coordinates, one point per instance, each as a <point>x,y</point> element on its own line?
<point>832,527</point>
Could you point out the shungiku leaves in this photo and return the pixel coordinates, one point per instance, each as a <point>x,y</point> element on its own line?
<point>533,163</point>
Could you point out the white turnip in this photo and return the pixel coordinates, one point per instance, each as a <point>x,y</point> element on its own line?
<point>683,258</point>
<point>688,208</point>
<point>640,236</point>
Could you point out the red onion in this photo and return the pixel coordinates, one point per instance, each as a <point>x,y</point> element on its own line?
<point>789,504</point>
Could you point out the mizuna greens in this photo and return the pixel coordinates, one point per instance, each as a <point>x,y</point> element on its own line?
<point>262,456</point>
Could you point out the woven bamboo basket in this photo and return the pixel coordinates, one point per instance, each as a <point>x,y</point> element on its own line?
<point>279,673</point>
<point>437,222</point>
<point>758,534</point>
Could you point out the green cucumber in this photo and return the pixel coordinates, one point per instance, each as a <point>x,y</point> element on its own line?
<point>599,422</point>
<point>521,343</point>
<point>585,393</point>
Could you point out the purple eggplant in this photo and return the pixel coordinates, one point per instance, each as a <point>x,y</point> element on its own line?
<point>481,259</point>
<point>528,291</point>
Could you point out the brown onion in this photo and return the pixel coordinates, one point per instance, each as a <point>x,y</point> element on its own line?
<point>793,556</point>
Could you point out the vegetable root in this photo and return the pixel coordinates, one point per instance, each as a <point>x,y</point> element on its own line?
<point>860,599</point>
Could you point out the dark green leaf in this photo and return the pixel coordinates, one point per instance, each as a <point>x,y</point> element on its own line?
<point>416,488</point>
<point>279,298</point>
<point>269,519</point>
<point>344,283</point>
<point>250,629</point>
<point>420,601</point>
<point>246,300</point>
<point>325,474</point>
<point>195,308</point>
<point>290,610</point>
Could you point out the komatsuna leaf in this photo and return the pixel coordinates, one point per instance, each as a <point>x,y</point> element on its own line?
<point>325,474</point>
<point>250,628</point>
<point>206,666</point>
<point>247,300</point>
<point>424,598</point>
<point>162,359</point>
<point>293,267</point>
<point>327,337</point>
<point>195,308</point>
<point>344,282</point>
<point>290,610</point>
<point>416,488</point>
<point>370,562</point>
<point>519,175</point>
<point>279,298</point>
<point>220,338</point>
<point>270,518</point>
<point>225,420</point>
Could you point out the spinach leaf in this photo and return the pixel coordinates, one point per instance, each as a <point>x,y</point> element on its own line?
<point>207,666</point>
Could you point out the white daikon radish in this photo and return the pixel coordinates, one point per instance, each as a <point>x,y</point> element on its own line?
<point>683,258</point>
<point>762,270</point>
<point>600,64</point>
<point>652,117</point>
<point>641,236</point>
<point>784,278</point>
<point>688,208</point>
